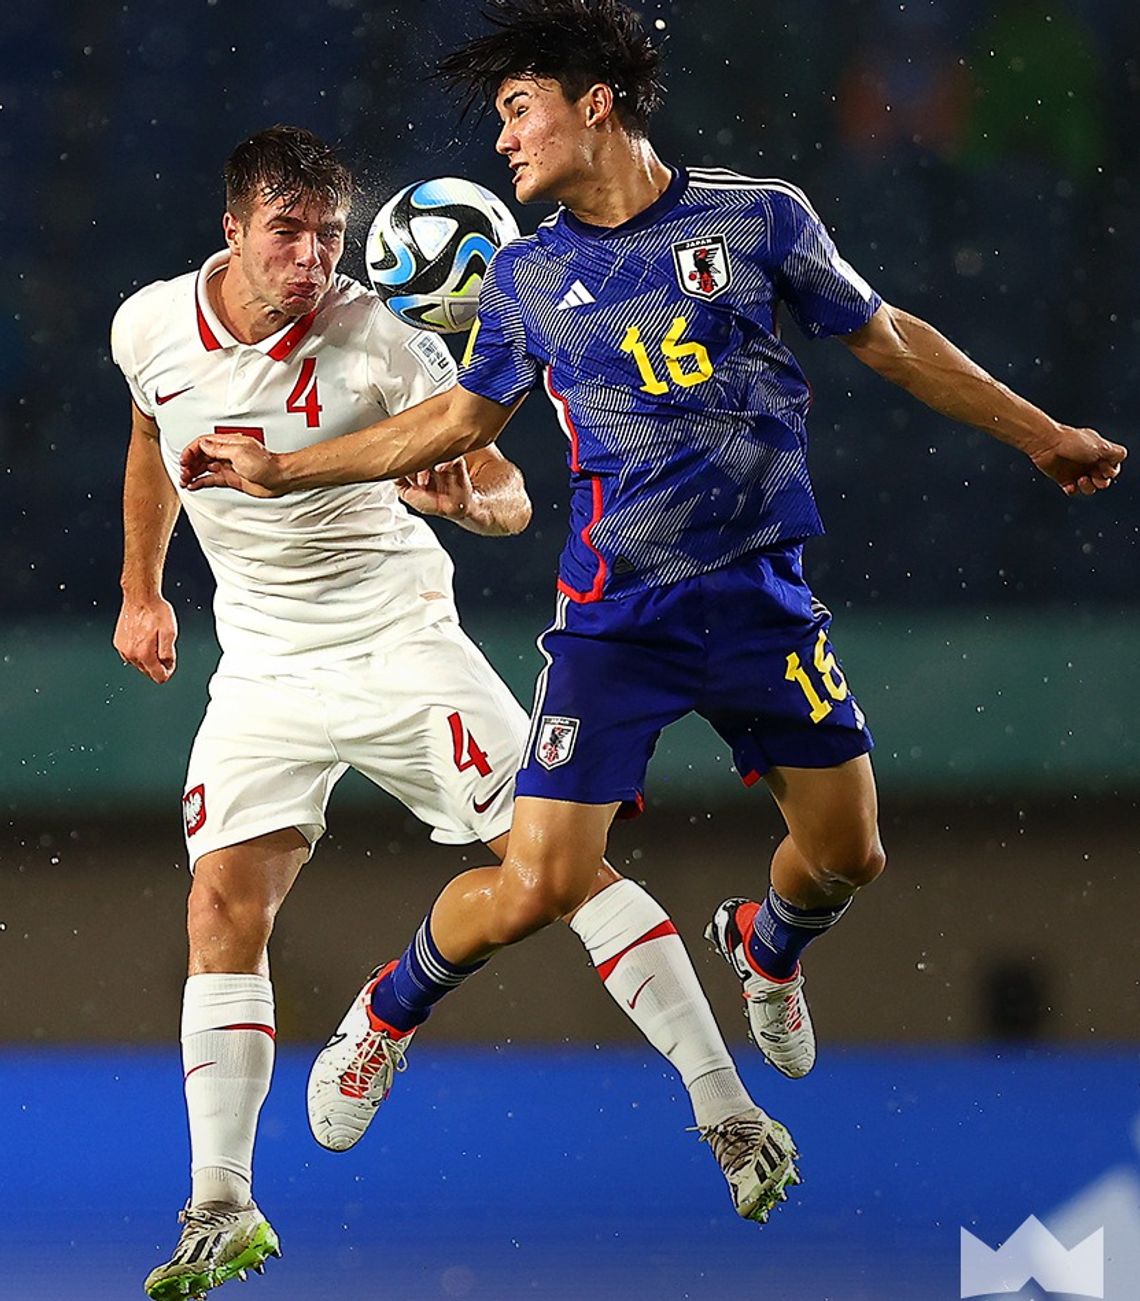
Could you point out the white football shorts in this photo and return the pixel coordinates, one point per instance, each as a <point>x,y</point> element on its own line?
<point>426,718</point>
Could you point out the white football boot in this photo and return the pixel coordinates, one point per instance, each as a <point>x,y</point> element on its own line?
<point>758,1158</point>
<point>219,1242</point>
<point>353,1073</point>
<point>777,1011</point>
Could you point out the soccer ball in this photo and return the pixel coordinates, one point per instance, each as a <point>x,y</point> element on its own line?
<point>429,247</point>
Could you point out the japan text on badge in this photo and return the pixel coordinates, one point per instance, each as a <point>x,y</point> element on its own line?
<point>555,743</point>
<point>703,268</point>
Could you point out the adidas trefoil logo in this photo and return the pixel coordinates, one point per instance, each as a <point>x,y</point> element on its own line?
<point>576,296</point>
<point>1033,1253</point>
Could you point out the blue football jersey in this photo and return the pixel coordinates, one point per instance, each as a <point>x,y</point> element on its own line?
<point>658,344</point>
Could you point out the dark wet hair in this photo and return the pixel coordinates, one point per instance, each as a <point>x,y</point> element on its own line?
<point>577,43</point>
<point>288,163</point>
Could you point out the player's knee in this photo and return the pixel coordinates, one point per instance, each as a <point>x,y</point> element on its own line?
<point>217,918</point>
<point>526,906</point>
<point>856,864</point>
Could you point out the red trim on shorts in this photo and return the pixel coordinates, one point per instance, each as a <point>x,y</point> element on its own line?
<point>750,778</point>
<point>606,969</point>
<point>631,809</point>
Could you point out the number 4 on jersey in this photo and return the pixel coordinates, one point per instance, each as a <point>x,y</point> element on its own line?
<point>304,400</point>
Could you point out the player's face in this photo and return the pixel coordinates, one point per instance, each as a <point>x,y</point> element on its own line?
<point>544,138</point>
<point>288,254</point>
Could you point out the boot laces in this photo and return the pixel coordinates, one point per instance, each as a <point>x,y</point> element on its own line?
<point>375,1051</point>
<point>740,1140</point>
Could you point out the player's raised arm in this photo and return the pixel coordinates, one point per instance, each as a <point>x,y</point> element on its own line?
<point>439,429</point>
<point>482,492</point>
<point>913,355</point>
<point>147,627</point>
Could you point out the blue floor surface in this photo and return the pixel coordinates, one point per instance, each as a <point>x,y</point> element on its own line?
<point>568,1174</point>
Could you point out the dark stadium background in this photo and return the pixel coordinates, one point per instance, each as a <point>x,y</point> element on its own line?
<point>977,1012</point>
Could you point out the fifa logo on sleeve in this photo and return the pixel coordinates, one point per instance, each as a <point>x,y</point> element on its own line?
<point>1032,1253</point>
<point>556,737</point>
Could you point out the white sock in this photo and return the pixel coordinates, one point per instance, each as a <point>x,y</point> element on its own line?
<point>228,1032</point>
<point>645,967</point>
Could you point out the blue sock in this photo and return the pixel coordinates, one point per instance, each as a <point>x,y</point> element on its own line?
<point>405,997</point>
<point>781,932</point>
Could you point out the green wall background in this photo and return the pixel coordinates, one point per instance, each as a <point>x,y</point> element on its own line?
<point>976,702</point>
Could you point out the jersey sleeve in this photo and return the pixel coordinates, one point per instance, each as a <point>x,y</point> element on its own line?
<point>824,293</point>
<point>405,366</point>
<point>496,364</point>
<point>123,353</point>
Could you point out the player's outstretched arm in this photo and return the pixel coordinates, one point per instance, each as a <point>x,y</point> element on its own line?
<point>439,429</point>
<point>147,627</point>
<point>482,492</point>
<point>912,354</point>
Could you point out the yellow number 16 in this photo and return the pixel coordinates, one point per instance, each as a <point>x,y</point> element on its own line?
<point>675,352</point>
<point>830,675</point>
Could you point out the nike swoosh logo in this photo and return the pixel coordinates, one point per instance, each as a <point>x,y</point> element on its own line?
<point>200,1067</point>
<point>631,1003</point>
<point>162,401</point>
<point>484,805</point>
<point>336,1039</point>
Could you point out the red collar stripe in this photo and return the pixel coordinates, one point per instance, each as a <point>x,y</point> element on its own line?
<point>283,349</point>
<point>208,337</point>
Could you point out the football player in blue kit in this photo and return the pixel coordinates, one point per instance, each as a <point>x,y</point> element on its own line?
<point>647,307</point>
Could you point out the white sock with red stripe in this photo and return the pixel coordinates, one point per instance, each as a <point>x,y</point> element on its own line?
<point>228,1032</point>
<point>645,967</point>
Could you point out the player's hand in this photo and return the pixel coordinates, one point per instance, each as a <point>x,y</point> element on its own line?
<point>145,635</point>
<point>1080,460</point>
<point>231,461</point>
<point>446,491</point>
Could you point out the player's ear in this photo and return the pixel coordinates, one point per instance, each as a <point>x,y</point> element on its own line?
<point>599,102</point>
<point>231,229</point>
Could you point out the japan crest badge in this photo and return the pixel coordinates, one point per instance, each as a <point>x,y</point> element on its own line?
<point>555,743</point>
<point>703,268</point>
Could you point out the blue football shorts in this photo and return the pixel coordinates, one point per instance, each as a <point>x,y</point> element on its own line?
<point>745,646</point>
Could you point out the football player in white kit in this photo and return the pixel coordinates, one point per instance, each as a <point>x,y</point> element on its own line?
<point>340,647</point>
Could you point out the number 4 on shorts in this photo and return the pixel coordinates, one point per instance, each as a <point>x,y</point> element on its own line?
<point>462,739</point>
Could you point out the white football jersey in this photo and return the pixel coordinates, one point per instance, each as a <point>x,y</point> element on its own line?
<point>318,571</point>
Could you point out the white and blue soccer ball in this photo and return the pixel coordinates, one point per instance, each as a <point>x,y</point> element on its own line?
<point>429,248</point>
